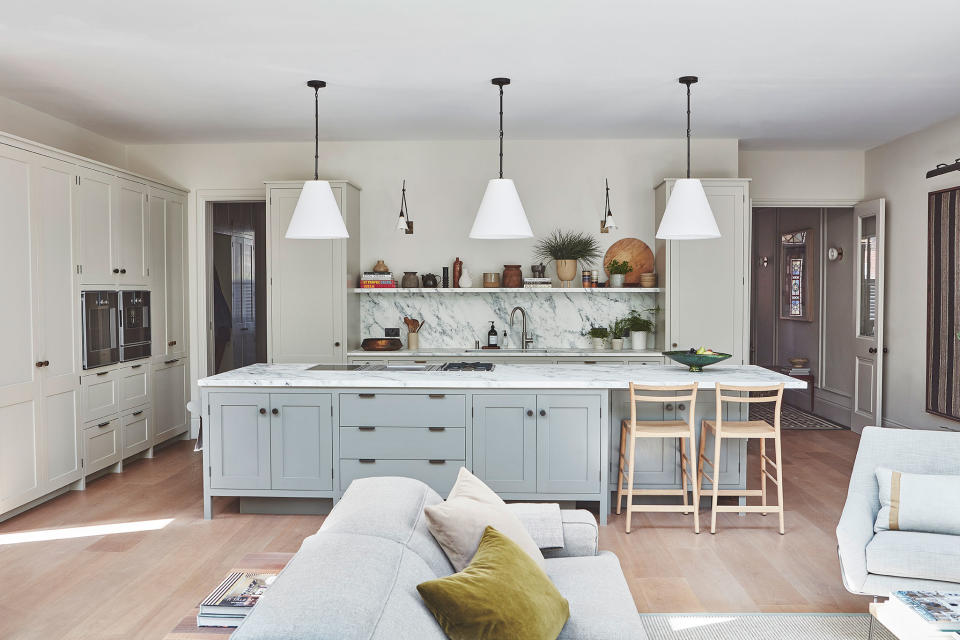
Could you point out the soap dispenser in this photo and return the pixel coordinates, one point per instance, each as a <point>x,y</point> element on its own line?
<point>492,336</point>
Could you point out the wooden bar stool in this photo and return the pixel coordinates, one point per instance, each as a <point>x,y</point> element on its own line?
<point>744,429</point>
<point>631,430</point>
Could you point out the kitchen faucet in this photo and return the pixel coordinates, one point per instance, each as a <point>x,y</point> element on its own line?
<point>525,340</point>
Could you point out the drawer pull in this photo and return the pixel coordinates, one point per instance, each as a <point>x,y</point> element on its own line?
<point>171,361</point>
<point>589,362</point>
<point>367,428</point>
<point>420,362</point>
<point>437,428</point>
<point>436,461</point>
<point>172,343</point>
<point>102,373</point>
<point>367,460</point>
<point>367,395</point>
<point>136,413</point>
<point>136,366</point>
<point>438,395</point>
<point>103,424</point>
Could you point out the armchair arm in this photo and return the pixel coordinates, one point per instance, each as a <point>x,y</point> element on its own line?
<point>854,533</point>
<point>580,535</point>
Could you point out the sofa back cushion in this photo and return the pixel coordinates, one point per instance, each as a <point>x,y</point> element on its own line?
<point>390,508</point>
<point>924,503</point>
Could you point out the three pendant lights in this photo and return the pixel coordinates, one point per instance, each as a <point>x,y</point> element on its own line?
<point>501,215</point>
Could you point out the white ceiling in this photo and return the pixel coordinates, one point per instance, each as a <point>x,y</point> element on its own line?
<point>776,74</point>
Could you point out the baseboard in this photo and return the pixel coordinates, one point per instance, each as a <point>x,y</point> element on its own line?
<point>33,503</point>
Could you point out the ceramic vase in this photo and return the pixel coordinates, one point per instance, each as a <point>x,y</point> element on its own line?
<point>381,267</point>
<point>597,343</point>
<point>616,280</point>
<point>466,281</point>
<point>512,276</point>
<point>616,344</point>
<point>566,271</point>
<point>638,340</point>
<point>410,280</point>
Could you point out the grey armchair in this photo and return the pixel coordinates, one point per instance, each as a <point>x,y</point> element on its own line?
<point>878,564</point>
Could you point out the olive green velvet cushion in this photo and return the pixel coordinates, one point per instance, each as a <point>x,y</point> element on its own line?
<point>501,594</point>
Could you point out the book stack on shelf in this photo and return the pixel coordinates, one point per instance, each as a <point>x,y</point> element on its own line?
<point>537,283</point>
<point>797,371</point>
<point>233,599</point>
<point>922,614</point>
<point>375,280</point>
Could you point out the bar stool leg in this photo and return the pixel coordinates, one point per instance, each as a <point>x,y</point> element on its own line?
<point>630,482</point>
<point>683,472</point>
<point>763,474</point>
<point>623,435</point>
<point>716,481</point>
<point>776,443</point>
<point>696,497</point>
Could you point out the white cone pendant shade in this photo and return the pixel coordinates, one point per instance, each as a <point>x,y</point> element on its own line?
<point>316,216</point>
<point>688,215</point>
<point>501,215</point>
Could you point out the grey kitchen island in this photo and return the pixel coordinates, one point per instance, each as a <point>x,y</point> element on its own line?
<point>530,431</point>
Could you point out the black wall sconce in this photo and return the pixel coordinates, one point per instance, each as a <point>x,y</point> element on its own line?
<point>404,223</point>
<point>607,222</point>
<point>944,168</point>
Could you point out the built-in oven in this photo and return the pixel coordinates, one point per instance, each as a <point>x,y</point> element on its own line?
<point>101,329</point>
<point>134,325</point>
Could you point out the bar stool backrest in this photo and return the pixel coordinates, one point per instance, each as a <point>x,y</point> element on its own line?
<point>777,398</point>
<point>643,396</point>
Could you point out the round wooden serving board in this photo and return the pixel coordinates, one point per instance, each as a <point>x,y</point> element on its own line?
<point>634,251</point>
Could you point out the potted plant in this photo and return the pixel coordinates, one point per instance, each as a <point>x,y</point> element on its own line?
<point>598,335</point>
<point>566,248</point>
<point>618,271</point>
<point>640,329</point>
<point>620,328</point>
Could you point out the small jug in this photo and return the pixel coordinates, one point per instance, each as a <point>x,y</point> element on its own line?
<point>410,280</point>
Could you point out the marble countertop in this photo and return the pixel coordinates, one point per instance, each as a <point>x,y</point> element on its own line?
<point>483,354</point>
<point>504,376</point>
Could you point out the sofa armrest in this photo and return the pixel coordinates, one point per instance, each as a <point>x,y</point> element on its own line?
<point>580,535</point>
<point>854,533</point>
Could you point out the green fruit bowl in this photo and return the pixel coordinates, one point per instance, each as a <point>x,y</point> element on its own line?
<point>696,361</point>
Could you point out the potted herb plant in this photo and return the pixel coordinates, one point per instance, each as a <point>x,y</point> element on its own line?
<point>620,328</point>
<point>640,329</point>
<point>566,248</point>
<point>598,335</point>
<point>618,271</point>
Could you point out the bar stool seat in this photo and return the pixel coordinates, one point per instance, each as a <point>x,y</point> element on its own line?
<point>665,429</point>
<point>745,429</point>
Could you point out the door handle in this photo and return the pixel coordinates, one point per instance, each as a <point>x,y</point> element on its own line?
<point>543,412</point>
<point>529,412</point>
<point>872,350</point>
<point>263,411</point>
<point>136,413</point>
<point>275,412</point>
<point>172,343</point>
<point>103,424</point>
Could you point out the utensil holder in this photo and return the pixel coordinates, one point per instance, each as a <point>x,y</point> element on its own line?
<point>413,341</point>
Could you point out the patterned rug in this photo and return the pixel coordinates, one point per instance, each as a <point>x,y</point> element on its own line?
<point>766,626</point>
<point>791,417</point>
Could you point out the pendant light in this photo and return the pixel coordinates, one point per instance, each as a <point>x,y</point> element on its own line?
<point>316,216</point>
<point>404,224</point>
<point>688,215</point>
<point>607,222</point>
<point>501,215</point>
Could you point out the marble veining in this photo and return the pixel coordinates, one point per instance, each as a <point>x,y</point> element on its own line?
<point>556,320</point>
<point>504,376</point>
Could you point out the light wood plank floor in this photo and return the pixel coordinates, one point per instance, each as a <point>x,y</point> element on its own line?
<point>138,585</point>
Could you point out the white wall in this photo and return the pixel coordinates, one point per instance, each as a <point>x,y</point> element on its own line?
<point>26,122</point>
<point>896,171</point>
<point>815,177</point>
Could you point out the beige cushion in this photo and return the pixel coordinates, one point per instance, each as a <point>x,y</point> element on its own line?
<point>458,524</point>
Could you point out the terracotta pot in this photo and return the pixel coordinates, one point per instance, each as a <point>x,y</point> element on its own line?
<point>512,276</point>
<point>566,271</point>
<point>380,267</point>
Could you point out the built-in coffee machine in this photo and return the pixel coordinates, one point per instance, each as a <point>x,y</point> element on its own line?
<point>116,326</point>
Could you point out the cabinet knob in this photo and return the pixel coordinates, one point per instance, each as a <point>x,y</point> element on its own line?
<point>668,407</point>
<point>872,350</point>
<point>38,364</point>
<point>543,412</point>
<point>123,270</point>
<point>336,344</point>
<point>529,412</point>
<point>116,270</point>
<point>263,411</point>
<point>681,407</point>
<point>173,343</point>
<point>674,344</point>
<point>46,363</point>
<point>275,412</point>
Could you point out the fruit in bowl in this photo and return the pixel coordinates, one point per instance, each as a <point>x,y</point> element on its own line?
<point>696,358</point>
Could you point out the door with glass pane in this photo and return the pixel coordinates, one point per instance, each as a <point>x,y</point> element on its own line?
<point>868,331</point>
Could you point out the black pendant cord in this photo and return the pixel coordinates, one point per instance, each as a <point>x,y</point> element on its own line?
<point>501,132</point>
<point>403,201</point>
<point>688,131</point>
<point>316,133</point>
<point>607,211</point>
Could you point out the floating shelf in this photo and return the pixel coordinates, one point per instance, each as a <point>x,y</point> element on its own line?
<point>540,290</point>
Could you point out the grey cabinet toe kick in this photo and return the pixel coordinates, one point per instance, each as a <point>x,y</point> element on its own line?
<point>526,444</point>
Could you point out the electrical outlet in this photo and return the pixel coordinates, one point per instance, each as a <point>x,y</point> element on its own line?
<point>391,332</point>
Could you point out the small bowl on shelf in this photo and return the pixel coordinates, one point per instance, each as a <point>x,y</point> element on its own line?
<point>696,361</point>
<point>381,344</point>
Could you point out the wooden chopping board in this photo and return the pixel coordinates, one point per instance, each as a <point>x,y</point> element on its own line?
<point>634,251</point>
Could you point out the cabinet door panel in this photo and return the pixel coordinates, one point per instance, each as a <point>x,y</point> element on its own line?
<point>19,475</point>
<point>306,297</point>
<point>95,228</point>
<point>505,441</point>
<point>175,246</point>
<point>169,400</point>
<point>568,444</point>
<point>60,428</point>
<point>301,442</point>
<point>240,441</point>
<point>134,386</point>
<point>158,282</point>
<point>101,445</point>
<point>135,433</point>
<point>131,231</point>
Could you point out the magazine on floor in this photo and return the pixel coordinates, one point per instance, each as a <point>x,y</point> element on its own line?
<point>236,595</point>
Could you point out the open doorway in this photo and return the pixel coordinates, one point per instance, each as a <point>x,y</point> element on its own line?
<point>237,279</point>
<point>804,308</point>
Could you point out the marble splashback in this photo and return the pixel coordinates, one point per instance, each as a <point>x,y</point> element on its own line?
<point>556,320</point>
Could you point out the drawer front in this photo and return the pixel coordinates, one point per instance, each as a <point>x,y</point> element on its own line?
<point>405,443</point>
<point>395,410</point>
<point>101,445</point>
<point>135,435</point>
<point>99,395</point>
<point>134,386</point>
<point>440,477</point>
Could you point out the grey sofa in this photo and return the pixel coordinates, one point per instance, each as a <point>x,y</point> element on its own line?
<point>357,576</point>
<point>878,564</point>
